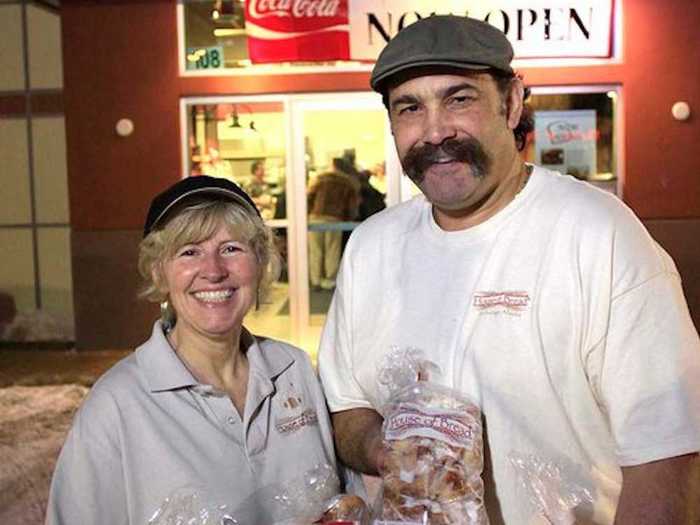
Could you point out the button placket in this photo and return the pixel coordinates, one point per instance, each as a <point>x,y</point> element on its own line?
<point>225,413</point>
<point>258,427</point>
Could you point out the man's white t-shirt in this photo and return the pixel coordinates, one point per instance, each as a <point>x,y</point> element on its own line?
<point>560,316</point>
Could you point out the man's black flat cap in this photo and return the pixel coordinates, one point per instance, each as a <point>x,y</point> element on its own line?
<point>201,186</point>
<point>443,40</point>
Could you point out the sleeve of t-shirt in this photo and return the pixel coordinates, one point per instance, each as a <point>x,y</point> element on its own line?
<point>646,368</point>
<point>336,350</point>
<point>88,484</point>
<point>651,373</point>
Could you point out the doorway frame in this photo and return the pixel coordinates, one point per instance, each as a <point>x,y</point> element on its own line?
<point>296,223</point>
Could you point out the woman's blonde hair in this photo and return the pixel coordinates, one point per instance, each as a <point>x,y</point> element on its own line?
<point>197,221</point>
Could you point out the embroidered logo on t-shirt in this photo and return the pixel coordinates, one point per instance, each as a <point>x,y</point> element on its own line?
<point>509,302</point>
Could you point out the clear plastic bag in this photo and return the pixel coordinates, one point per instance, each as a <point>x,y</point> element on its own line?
<point>550,490</point>
<point>346,509</point>
<point>190,506</point>
<point>434,447</point>
<point>300,501</point>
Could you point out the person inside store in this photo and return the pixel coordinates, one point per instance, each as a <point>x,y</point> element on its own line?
<point>537,295</point>
<point>203,405</point>
<point>257,185</point>
<point>371,200</point>
<point>260,191</point>
<point>333,198</point>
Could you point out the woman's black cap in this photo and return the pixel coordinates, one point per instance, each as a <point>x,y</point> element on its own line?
<point>199,185</point>
<point>443,40</point>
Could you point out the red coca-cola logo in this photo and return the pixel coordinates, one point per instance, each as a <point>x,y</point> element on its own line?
<point>297,8</point>
<point>297,30</point>
<point>296,15</point>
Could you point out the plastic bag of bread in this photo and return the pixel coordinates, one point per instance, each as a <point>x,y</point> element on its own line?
<point>434,447</point>
<point>346,509</point>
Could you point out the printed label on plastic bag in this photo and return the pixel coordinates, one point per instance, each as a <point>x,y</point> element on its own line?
<point>437,424</point>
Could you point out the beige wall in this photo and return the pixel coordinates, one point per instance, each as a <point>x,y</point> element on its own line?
<point>15,201</point>
<point>50,174</point>
<point>11,58</point>
<point>34,217</point>
<point>44,38</point>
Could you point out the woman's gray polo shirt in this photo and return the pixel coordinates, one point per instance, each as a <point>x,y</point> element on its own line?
<point>147,429</point>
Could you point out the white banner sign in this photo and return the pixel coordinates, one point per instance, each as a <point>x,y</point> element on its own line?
<point>535,28</point>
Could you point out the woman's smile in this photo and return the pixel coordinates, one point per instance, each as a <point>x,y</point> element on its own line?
<point>214,296</point>
<point>211,285</point>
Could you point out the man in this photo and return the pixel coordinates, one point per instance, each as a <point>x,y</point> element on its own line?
<point>541,297</point>
<point>257,185</point>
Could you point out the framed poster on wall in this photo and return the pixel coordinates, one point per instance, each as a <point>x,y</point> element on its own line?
<point>565,141</point>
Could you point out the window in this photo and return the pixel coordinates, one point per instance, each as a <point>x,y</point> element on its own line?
<point>215,41</point>
<point>575,133</point>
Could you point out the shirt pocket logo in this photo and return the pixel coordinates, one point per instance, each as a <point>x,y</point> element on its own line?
<point>291,424</point>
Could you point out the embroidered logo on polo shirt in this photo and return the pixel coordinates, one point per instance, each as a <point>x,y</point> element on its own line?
<point>294,415</point>
<point>289,425</point>
<point>508,302</point>
<point>292,402</point>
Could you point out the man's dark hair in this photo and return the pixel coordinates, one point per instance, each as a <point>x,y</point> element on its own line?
<point>526,124</point>
<point>504,81</point>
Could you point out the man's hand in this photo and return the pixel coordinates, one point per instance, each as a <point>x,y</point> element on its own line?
<point>657,493</point>
<point>358,439</point>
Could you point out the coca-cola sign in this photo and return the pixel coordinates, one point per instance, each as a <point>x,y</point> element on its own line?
<point>297,30</point>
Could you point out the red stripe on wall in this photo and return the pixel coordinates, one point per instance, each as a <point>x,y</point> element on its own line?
<point>42,103</point>
<point>12,105</point>
<point>47,102</point>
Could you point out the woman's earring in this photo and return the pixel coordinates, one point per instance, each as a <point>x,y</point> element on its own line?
<point>164,315</point>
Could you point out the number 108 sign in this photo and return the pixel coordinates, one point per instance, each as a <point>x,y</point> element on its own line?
<point>205,57</point>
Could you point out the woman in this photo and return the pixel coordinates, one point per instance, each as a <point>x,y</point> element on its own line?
<point>203,408</point>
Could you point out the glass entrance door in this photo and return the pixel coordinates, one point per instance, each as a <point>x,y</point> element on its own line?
<point>341,177</point>
<point>317,166</point>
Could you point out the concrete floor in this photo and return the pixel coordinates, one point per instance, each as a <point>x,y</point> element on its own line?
<point>54,367</point>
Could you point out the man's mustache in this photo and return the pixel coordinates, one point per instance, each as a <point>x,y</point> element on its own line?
<point>468,150</point>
